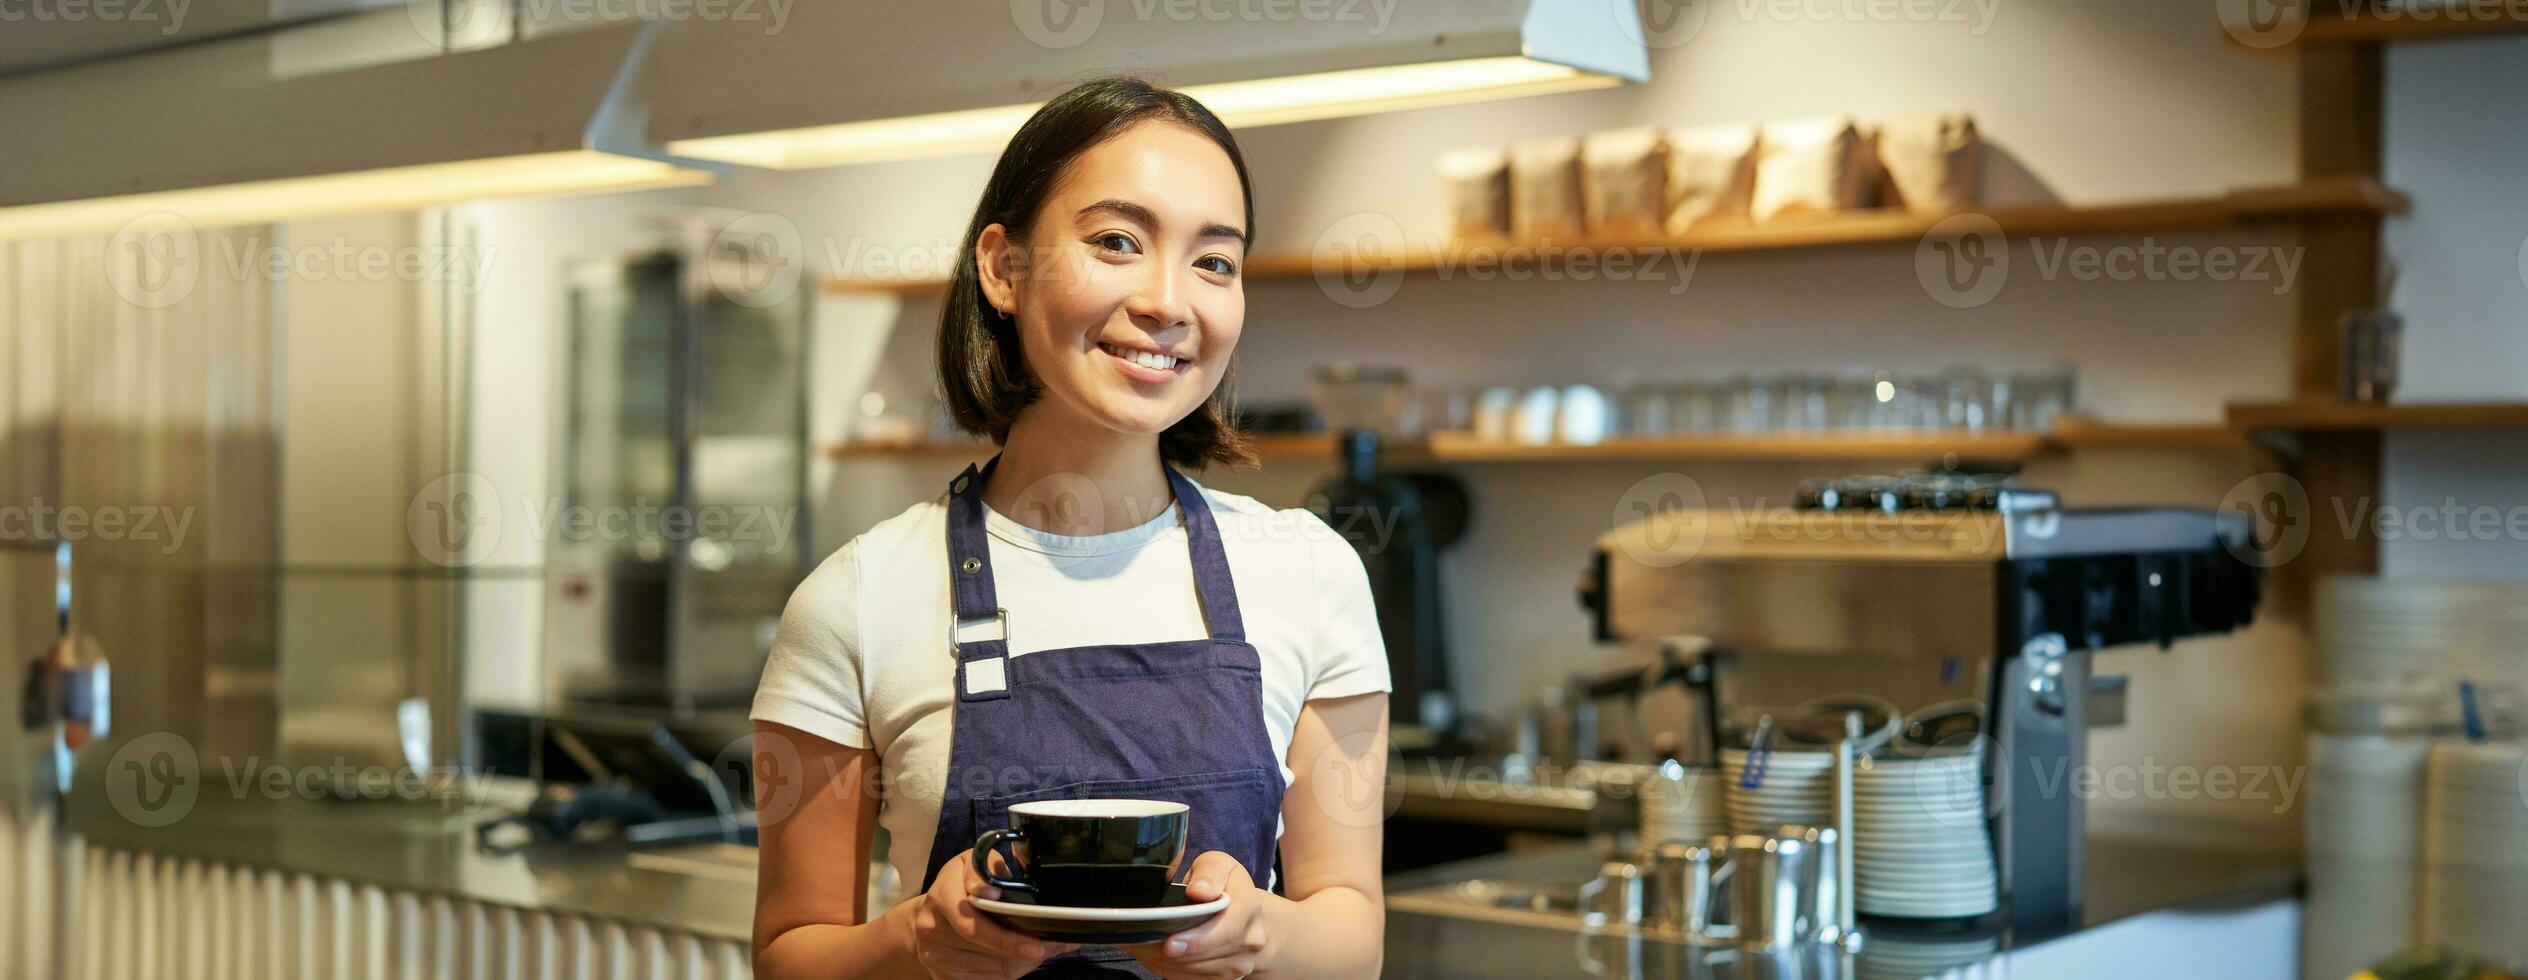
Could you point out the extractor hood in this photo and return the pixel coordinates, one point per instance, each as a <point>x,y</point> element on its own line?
<point>286,123</point>
<point>244,130</point>
<point>857,82</point>
<point>48,35</point>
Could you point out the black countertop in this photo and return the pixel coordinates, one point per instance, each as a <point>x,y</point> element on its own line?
<point>708,890</point>
<point>2127,877</point>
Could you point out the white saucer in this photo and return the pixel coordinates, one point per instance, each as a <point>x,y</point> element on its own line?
<point>1074,913</point>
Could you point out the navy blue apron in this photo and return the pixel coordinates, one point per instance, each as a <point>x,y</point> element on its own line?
<point>1181,721</point>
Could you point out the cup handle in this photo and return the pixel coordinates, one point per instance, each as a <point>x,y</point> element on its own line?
<point>983,847</point>
<point>1588,896</point>
<point>1725,864</point>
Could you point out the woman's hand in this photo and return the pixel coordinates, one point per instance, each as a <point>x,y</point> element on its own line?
<point>1233,943</point>
<point>955,942</point>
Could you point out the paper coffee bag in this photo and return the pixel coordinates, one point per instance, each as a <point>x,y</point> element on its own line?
<point>1624,173</point>
<point>1545,191</point>
<point>1711,174</point>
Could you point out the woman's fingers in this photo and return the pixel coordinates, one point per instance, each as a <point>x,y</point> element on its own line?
<point>1177,969</point>
<point>1216,936</point>
<point>953,913</point>
<point>967,963</point>
<point>988,936</point>
<point>1215,874</point>
<point>957,940</point>
<point>1229,945</point>
<point>1212,875</point>
<point>1225,945</point>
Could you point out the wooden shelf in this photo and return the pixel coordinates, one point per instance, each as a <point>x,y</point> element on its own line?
<point>1275,446</point>
<point>1468,257</point>
<point>944,448</point>
<point>1922,447</point>
<point>2081,434</point>
<point>2328,25</point>
<point>1918,447</point>
<point>2315,416</point>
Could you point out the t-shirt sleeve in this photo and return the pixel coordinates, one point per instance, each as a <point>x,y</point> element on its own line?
<point>1350,656</point>
<point>813,680</point>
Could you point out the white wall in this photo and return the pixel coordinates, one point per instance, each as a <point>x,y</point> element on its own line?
<point>2084,100</point>
<point>366,391</point>
<point>519,333</point>
<point>2457,134</point>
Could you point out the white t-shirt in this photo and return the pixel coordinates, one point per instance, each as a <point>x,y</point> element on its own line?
<point>863,656</point>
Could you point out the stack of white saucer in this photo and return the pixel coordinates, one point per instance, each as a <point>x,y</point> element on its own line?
<point>1790,787</point>
<point>1892,956</point>
<point>1920,849</point>
<point>1682,803</point>
<point>2475,870</point>
<point>2373,630</point>
<point>2365,847</point>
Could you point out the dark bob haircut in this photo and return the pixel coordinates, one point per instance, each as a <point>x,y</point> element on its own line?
<point>983,371</point>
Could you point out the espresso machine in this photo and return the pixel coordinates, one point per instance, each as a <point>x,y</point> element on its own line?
<point>1985,594</point>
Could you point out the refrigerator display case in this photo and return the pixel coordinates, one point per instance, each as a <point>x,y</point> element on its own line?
<point>683,479</point>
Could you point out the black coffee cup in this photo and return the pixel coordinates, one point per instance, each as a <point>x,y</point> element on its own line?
<point>1112,854</point>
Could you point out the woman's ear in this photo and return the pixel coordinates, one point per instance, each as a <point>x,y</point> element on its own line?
<point>998,265</point>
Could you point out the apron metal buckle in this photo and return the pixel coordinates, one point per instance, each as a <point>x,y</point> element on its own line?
<point>982,677</point>
<point>957,628</point>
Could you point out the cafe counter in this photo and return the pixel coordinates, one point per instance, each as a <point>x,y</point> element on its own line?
<point>334,869</point>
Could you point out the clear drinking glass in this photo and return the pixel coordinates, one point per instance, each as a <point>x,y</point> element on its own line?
<point>1696,406</point>
<point>2037,398</point>
<point>1750,401</point>
<point>1849,402</point>
<point>1650,409</point>
<point>1799,402</point>
<point>1968,393</point>
<point>1360,396</point>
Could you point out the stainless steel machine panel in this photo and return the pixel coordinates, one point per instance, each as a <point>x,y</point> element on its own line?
<point>1864,608</point>
<point>1919,606</point>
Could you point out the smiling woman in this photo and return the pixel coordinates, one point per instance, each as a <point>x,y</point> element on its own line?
<point>1076,256</point>
<point>1090,333</point>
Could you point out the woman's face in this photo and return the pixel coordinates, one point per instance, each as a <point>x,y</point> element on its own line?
<point>1127,296</point>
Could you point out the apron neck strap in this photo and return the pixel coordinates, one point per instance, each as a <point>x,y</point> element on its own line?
<point>1212,583</point>
<point>970,559</point>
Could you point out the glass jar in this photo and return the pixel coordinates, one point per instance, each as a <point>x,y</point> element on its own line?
<point>1750,401</point>
<point>1968,394</point>
<point>1351,396</point>
<point>2038,398</point>
<point>1649,409</point>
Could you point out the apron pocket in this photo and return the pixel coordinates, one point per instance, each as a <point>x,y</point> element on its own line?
<point>1238,811</point>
